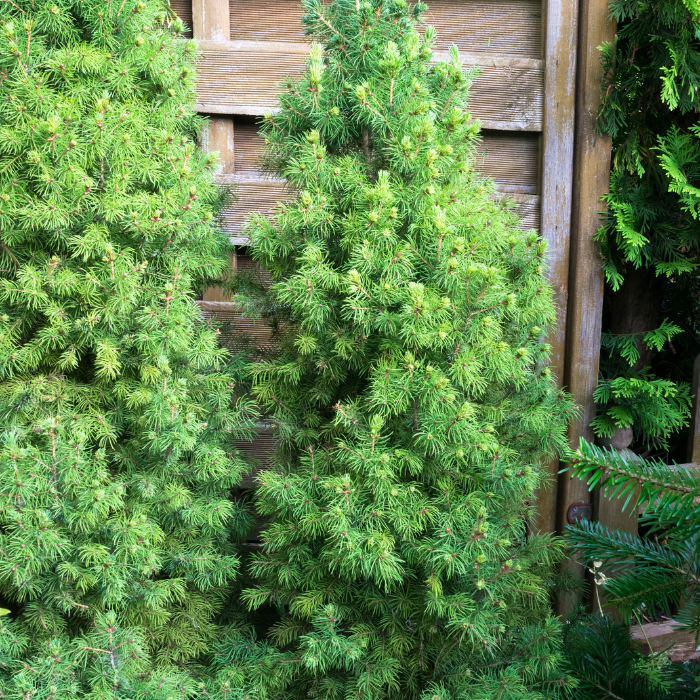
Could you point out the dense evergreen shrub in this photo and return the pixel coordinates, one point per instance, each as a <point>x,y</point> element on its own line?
<point>410,395</point>
<point>117,407</point>
<point>608,663</point>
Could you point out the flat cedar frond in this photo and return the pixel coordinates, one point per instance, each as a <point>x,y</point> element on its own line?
<point>650,237</point>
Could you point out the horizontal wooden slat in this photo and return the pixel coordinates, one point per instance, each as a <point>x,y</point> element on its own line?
<point>246,265</point>
<point>256,194</point>
<point>238,334</point>
<point>243,77</point>
<point>253,195</point>
<point>266,20</point>
<point>512,27</point>
<point>510,158</point>
<point>248,145</point>
<point>183,9</point>
<point>260,451</point>
<point>528,209</point>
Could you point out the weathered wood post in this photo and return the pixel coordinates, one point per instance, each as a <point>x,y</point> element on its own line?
<point>557,159</point>
<point>585,302</point>
<point>211,21</point>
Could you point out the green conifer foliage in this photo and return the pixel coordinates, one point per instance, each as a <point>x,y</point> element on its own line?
<point>411,395</point>
<point>640,574</point>
<point>117,407</point>
<point>649,243</point>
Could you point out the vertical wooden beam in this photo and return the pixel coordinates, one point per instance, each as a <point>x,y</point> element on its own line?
<point>607,511</point>
<point>217,293</point>
<point>557,175</point>
<point>693,455</point>
<point>211,20</point>
<point>219,137</point>
<point>585,305</point>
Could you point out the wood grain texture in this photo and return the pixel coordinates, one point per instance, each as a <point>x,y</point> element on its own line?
<point>259,195</point>
<point>244,77</point>
<point>254,195</point>
<point>512,27</point>
<point>247,265</point>
<point>249,145</point>
<point>585,313</point>
<point>237,332</point>
<point>183,9</point>
<point>259,451</point>
<point>527,206</point>
<point>210,20</point>
<point>510,158</point>
<point>476,26</point>
<point>219,293</point>
<point>557,176</point>
<point>240,334</point>
<point>611,512</point>
<point>558,156</point>
<point>219,137</point>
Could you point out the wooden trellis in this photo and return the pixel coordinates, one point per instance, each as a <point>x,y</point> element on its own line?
<point>536,106</point>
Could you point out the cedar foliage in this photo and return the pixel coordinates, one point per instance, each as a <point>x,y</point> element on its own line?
<point>411,395</point>
<point>117,407</point>
<point>650,244</point>
<point>649,90</point>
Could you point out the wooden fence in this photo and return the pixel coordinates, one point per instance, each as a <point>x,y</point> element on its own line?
<point>535,97</point>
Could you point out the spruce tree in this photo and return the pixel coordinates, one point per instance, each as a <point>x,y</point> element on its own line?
<point>117,407</point>
<point>410,394</point>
